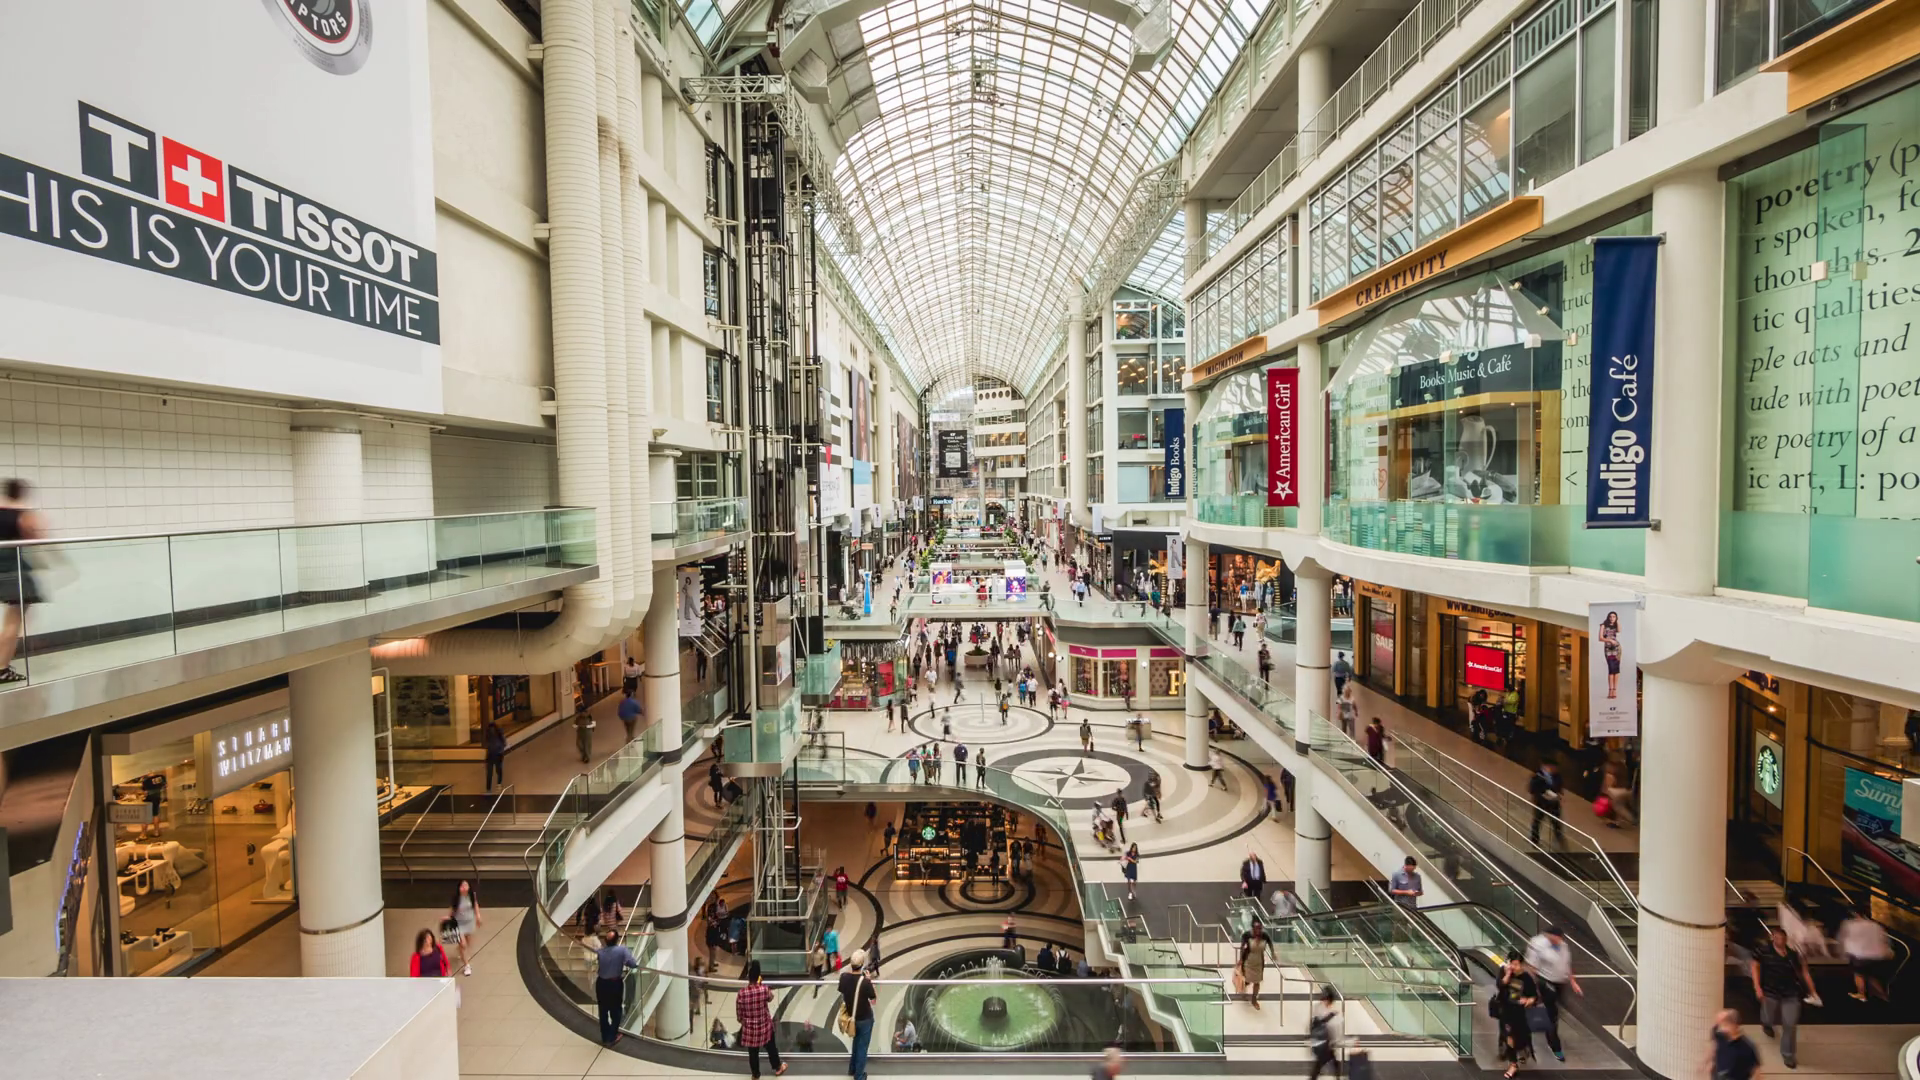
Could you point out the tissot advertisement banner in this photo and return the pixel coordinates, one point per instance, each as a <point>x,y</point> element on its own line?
<point>952,449</point>
<point>1620,402</point>
<point>235,194</point>
<point>1283,437</point>
<point>688,602</point>
<point>1175,484</point>
<point>1872,848</point>
<point>1613,682</point>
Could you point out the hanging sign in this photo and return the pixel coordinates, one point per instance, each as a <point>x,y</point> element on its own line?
<point>689,601</point>
<point>1283,438</point>
<point>1613,698</point>
<point>1176,558</point>
<point>1487,667</point>
<point>1620,407</point>
<point>1175,472</point>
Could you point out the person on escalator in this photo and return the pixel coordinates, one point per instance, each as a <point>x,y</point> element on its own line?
<point>1551,961</point>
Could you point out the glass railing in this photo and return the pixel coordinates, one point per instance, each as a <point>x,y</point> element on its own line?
<point>689,521</point>
<point>1274,704</point>
<point>981,1005</point>
<point>771,737</point>
<point>1283,625</point>
<point>107,602</point>
<point>1574,857</point>
<point>1247,510</point>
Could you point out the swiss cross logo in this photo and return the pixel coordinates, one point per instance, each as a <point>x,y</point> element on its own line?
<point>193,181</point>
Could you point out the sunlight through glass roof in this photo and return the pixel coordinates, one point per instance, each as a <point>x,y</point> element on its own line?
<point>1007,135</point>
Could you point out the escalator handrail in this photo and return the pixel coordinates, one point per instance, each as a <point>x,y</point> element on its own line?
<point>1522,936</point>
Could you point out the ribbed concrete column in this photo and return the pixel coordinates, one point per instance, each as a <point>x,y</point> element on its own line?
<point>1312,685</point>
<point>337,821</point>
<point>1076,463</point>
<point>1197,645</point>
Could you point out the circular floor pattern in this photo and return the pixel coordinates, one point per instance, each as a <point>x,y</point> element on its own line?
<point>986,892</point>
<point>978,724</point>
<point>1077,780</point>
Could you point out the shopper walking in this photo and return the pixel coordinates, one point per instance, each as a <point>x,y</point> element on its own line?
<point>1324,1034</point>
<point>1377,740</point>
<point>1342,671</point>
<point>18,589</point>
<point>1865,944</point>
<point>1546,788</point>
<point>429,960</point>
<point>857,998</point>
<point>1780,981</point>
<point>495,764</point>
<point>752,1007</point>
<point>1216,768</point>
<point>913,764</point>
<point>1513,996</point>
<point>1253,876</point>
<point>1119,805</point>
<point>1251,965</point>
<point>1153,796</point>
<point>1139,726</point>
<point>1239,628</point>
<point>465,912</point>
<point>1405,885</point>
<point>1732,1056</point>
<point>1130,868</point>
<point>611,965</point>
<point>980,769</point>
<point>583,735</point>
<point>1266,663</point>
<point>630,715</point>
<point>1086,737</point>
<point>1551,962</point>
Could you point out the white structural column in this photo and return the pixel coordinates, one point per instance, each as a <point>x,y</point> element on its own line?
<point>1312,685</point>
<point>327,487</point>
<point>660,686</point>
<point>1195,234</point>
<point>1684,730</point>
<point>337,820</point>
<point>1198,552</point>
<point>1076,463</point>
<point>669,839</point>
<point>883,447</point>
<point>1313,621</point>
<point>1315,68</point>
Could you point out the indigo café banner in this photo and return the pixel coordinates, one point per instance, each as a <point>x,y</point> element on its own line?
<point>1620,405</point>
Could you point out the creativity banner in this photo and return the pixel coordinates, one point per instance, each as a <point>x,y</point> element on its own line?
<point>1283,437</point>
<point>1620,402</point>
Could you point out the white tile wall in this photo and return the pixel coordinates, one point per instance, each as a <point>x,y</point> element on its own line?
<point>108,462</point>
<point>479,476</point>
<point>396,462</point>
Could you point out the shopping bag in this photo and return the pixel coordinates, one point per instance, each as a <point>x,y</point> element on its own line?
<point>1538,1018</point>
<point>1359,1066</point>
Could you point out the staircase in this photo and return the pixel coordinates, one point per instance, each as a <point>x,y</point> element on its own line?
<point>712,640</point>
<point>488,844</point>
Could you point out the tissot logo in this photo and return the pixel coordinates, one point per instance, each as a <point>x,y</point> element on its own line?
<point>334,34</point>
<point>193,181</point>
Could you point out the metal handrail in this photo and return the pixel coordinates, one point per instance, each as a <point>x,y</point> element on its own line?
<point>1424,928</point>
<point>488,816</point>
<point>1837,887</point>
<point>424,811</point>
<point>1633,987</point>
<point>1415,746</point>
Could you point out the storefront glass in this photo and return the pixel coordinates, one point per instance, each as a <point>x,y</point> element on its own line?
<point>1229,474</point>
<point>201,852</point>
<point>1823,492</point>
<point>1247,583</point>
<point>1381,643</point>
<point>1457,421</point>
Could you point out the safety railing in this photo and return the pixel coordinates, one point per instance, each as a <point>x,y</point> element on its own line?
<point>690,521</point>
<point>1578,861</point>
<point>1405,45</point>
<point>1475,927</point>
<point>506,795</point>
<point>401,851</point>
<point>96,603</point>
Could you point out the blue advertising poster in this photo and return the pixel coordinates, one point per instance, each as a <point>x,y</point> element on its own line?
<point>1175,484</point>
<point>1871,848</point>
<point>1620,416</point>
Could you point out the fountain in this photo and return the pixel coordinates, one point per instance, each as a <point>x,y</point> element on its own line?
<point>983,1006</point>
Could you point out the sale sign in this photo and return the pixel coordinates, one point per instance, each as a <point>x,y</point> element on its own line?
<point>1283,437</point>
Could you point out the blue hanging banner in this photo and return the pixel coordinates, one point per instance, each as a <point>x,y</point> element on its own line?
<point>1174,486</point>
<point>1620,398</point>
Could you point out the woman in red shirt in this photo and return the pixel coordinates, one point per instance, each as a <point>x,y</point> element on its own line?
<point>753,1007</point>
<point>429,959</point>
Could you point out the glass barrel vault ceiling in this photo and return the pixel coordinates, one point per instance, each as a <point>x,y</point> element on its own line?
<point>1007,136</point>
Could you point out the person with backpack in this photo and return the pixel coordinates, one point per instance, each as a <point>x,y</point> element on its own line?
<point>495,742</point>
<point>1324,1034</point>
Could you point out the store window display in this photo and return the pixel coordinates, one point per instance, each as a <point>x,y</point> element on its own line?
<point>201,846</point>
<point>1453,416</point>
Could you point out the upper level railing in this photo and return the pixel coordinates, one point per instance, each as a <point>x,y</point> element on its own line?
<point>690,521</point>
<point>1406,44</point>
<point>97,603</point>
